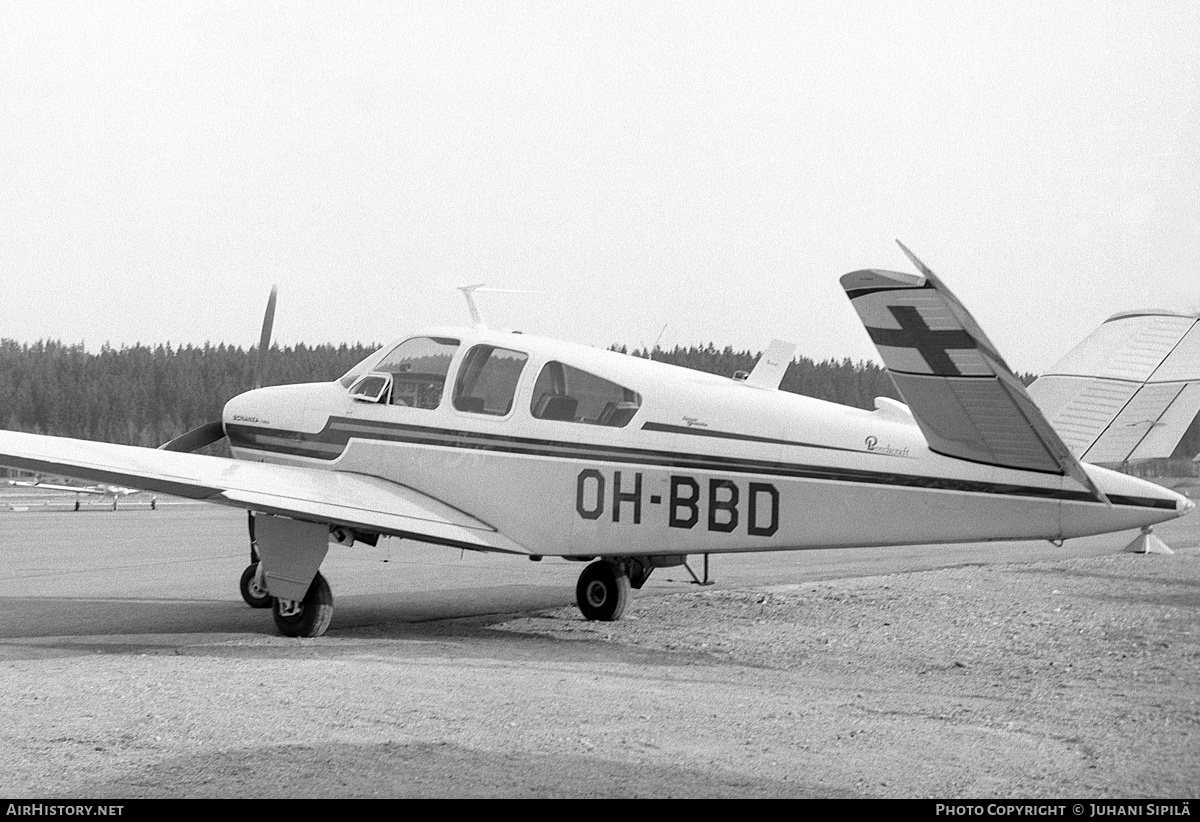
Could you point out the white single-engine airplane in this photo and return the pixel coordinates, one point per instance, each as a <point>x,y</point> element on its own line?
<point>501,441</point>
<point>99,490</point>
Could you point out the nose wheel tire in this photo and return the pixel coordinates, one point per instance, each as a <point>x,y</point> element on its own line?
<point>256,595</point>
<point>309,617</point>
<point>603,591</point>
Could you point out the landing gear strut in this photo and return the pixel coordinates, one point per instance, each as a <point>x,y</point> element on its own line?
<point>252,585</point>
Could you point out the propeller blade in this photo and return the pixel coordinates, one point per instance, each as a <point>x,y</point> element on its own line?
<point>197,438</point>
<point>214,431</point>
<point>264,340</point>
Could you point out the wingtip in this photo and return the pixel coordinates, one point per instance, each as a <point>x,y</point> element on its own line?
<point>873,278</point>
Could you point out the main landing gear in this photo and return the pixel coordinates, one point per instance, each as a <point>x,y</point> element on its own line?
<point>308,617</point>
<point>603,588</point>
<point>292,550</point>
<point>603,591</point>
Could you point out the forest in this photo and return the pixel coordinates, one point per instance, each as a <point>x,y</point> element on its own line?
<point>146,395</point>
<point>143,395</point>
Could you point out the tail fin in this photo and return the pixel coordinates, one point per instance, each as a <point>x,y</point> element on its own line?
<point>964,397</point>
<point>1129,391</point>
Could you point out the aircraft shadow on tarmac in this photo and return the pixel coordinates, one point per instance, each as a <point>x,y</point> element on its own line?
<point>432,770</point>
<point>75,617</point>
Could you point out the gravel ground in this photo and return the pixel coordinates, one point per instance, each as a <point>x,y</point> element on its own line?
<point>1059,679</point>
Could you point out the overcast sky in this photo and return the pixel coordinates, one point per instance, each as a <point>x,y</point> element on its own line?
<point>710,167</point>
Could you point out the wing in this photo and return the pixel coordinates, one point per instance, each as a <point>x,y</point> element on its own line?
<point>964,397</point>
<point>356,501</point>
<point>1128,391</point>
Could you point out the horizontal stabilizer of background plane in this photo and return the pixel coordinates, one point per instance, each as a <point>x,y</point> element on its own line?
<point>965,399</point>
<point>1129,391</point>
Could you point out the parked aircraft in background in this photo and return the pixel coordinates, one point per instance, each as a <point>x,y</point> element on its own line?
<point>115,493</point>
<point>1128,392</point>
<point>499,441</point>
<point>102,490</point>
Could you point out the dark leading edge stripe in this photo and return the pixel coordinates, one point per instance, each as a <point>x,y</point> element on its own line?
<point>331,441</point>
<point>855,293</point>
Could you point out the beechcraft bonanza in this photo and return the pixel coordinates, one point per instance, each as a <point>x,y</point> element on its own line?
<point>487,440</point>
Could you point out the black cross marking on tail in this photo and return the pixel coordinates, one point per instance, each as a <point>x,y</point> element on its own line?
<point>914,332</point>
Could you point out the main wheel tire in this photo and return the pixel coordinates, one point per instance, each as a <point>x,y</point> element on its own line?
<point>603,591</point>
<point>255,595</point>
<point>314,613</point>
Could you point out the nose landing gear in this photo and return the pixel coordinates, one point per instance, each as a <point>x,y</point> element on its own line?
<point>253,589</point>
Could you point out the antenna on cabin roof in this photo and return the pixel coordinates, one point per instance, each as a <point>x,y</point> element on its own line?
<point>469,292</point>
<point>650,353</point>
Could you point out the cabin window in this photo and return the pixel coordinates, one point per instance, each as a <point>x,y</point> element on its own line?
<point>418,368</point>
<point>568,394</point>
<point>487,380</point>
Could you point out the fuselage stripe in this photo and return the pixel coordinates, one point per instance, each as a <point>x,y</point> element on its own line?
<point>330,443</point>
<point>729,435</point>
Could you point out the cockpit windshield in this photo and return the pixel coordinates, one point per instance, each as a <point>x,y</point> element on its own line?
<point>418,368</point>
<point>360,368</point>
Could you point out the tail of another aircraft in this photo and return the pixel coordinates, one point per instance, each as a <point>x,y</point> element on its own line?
<point>1130,391</point>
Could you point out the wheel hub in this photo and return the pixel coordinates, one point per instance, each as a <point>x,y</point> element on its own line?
<point>255,589</point>
<point>597,593</point>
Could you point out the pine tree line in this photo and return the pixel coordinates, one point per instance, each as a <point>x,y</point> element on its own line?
<point>143,395</point>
